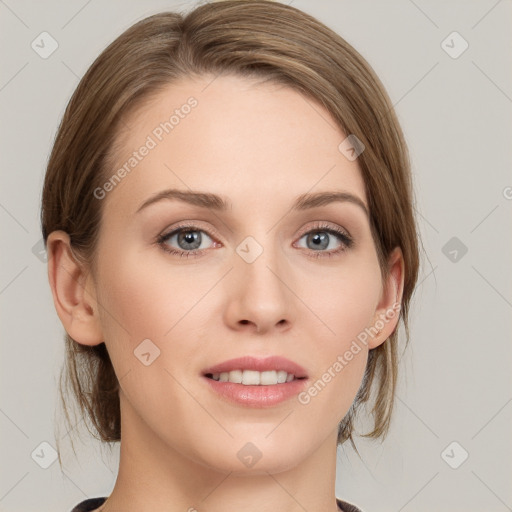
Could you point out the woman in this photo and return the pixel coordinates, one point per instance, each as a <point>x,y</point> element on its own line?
<point>228,215</point>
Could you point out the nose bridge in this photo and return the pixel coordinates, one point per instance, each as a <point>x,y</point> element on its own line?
<point>259,294</point>
<point>259,265</point>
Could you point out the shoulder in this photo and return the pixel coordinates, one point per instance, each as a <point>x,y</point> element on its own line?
<point>344,506</point>
<point>89,504</point>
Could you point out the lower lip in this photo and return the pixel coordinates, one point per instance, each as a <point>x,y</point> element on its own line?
<point>257,396</point>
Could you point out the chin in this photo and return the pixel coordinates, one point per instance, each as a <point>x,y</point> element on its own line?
<point>246,458</point>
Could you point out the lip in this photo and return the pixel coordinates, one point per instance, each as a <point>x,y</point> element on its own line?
<point>259,364</point>
<point>256,396</point>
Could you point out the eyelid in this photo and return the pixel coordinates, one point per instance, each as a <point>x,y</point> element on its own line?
<point>175,229</point>
<point>345,239</point>
<point>321,224</point>
<point>193,225</point>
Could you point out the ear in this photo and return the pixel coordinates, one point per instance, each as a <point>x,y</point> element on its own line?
<point>73,291</point>
<point>388,309</point>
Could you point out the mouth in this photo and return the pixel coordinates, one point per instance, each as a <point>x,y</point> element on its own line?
<point>256,371</point>
<point>256,382</point>
<point>255,389</point>
<point>254,378</point>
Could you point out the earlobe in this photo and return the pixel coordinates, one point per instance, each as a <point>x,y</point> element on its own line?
<point>388,310</point>
<point>76,306</point>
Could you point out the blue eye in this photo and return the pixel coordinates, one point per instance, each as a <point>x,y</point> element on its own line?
<point>190,239</point>
<point>321,237</point>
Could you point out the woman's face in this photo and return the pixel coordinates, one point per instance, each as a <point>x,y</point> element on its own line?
<point>257,278</point>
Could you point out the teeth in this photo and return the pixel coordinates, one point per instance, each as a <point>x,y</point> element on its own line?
<point>254,378</point>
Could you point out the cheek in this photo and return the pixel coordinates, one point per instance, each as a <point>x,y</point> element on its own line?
<point>344,300</point>
<point>344,303</point>
<point>144,301</point>
<point>132,309</point>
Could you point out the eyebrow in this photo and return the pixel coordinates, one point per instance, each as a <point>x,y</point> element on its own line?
<point>218,203</point>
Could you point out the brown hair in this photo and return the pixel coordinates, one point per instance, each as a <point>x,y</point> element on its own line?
<point>260,39</point>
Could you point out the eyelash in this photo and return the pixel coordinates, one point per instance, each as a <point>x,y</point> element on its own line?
<point>346,241</point>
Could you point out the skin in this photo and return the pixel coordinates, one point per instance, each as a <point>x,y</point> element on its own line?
<point>260,146</point>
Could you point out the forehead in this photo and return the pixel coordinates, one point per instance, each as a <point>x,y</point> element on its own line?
<point>233,136</point>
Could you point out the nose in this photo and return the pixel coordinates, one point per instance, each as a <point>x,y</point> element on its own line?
<point>260,297</point>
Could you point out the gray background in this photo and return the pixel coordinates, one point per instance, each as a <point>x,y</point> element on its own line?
<point>456,375</point>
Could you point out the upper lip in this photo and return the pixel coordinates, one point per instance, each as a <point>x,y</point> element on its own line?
<point>259,364</point>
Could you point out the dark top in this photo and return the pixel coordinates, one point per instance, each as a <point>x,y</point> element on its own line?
<point>93,503</point>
